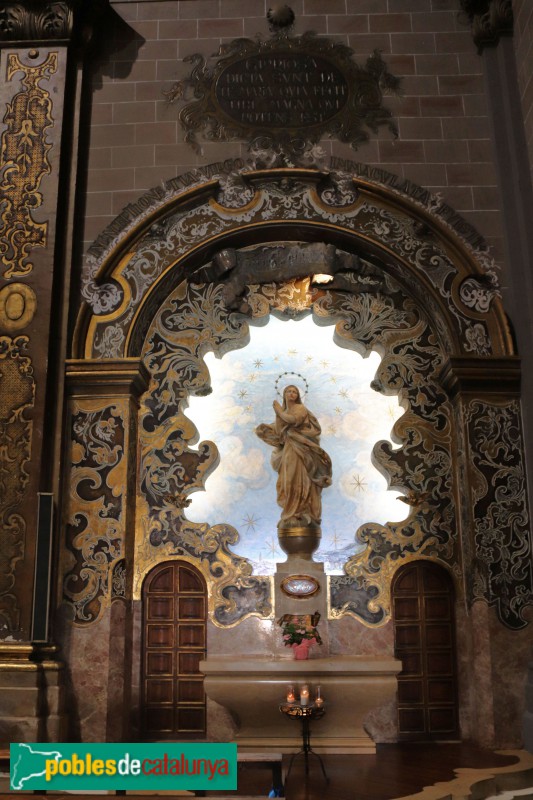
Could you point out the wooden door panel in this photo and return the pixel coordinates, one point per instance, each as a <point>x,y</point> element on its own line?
<point>189,663</point>
<point>159,663</point>
<point>442,720</point>
<point>189,582</point>
<point>159,691</point>
<point>439,635</point>
<point>191,720</point>
<point>437,608</point>
<point>174,643</point>
<point>407,582</point>
<point>163,581</point>
<point>160,635</point>
<point>191,608</point>
<point>435,580</point>
<point>191,636</point>
<point>160,608</point>
<point>159,720</point>
<point>406,608</point>
<point>412,720</point>
<point>190,691</point>
<point>412,663</point>
<point>422,595</point>
<point>410,692</point>
<point>408,636</point>
<point>439,663</point>
<point>440,691</point>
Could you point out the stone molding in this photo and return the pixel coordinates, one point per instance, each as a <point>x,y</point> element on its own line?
<point>497,376</point>
<point>113,377</point>
<point>489,20</point>
<point>38,21</point>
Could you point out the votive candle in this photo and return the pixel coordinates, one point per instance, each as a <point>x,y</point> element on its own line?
<point>290,694</point>
<point>319,700</point>
<point>304,696</point>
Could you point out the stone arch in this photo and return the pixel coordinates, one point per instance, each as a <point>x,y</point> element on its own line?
<point>154,244</point>
<point>401,241</point>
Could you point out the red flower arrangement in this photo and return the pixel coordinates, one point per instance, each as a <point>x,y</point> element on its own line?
<point>300,628</point>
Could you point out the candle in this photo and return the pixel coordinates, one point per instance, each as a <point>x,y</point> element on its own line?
<point>290,694</point>
<point>319,700</point>
<point>304,696</point>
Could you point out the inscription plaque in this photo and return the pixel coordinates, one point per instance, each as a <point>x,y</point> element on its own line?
<point>278,90</point>
<point>284,93</point>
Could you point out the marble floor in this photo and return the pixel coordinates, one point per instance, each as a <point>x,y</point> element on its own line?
<point>450,771</point>
<point>401,770</point>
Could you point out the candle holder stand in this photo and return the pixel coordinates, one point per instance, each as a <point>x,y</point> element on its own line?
<point>305,714</point>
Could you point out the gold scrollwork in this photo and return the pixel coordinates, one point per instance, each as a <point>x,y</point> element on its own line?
<point>24,157</point>
<point>95,521</point>
<point>17,396</point>
<point>17,306</point>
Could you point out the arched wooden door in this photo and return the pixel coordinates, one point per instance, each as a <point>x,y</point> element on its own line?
<point>174,643</point>
<point>424,636</point>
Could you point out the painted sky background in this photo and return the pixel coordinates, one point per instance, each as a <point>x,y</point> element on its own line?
<point>242,490</point>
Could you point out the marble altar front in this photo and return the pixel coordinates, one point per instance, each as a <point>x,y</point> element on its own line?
<point>252,688</point>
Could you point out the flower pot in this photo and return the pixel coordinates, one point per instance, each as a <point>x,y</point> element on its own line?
<point>301,651</point>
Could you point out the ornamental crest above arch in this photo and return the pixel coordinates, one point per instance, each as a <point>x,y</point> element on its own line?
<point>284,93</point>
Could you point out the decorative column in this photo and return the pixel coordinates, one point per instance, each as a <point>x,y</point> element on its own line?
<point>492,24</point>
<point>494,536</point>
<point>41,47</point>
<point>99,525</point>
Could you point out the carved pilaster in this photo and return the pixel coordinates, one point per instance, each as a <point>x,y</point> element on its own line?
<point>489,19</point>
<point>495,528</point>
<point>104,399</point>
<point>99,532</point>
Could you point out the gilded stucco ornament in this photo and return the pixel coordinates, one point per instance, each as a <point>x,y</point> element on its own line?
<point>502,570</point>
<point>25,161</point>
<point>95,520</point>
<point>478,292</point>
<point>18,304</point>
<point>190,323</point>
<point>17,397</point>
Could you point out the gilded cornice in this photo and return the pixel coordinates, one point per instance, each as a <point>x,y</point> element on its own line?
<point>34,21</point>
<point>489,19</point>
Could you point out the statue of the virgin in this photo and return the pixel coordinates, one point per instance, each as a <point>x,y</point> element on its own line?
<point>303,468</point>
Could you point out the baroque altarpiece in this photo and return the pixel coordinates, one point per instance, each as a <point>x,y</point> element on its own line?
<point>191,267</point>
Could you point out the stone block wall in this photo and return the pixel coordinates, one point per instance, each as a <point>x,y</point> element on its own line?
<point>523,45</point>
<point>136,140</point>
<point>523,40</point>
